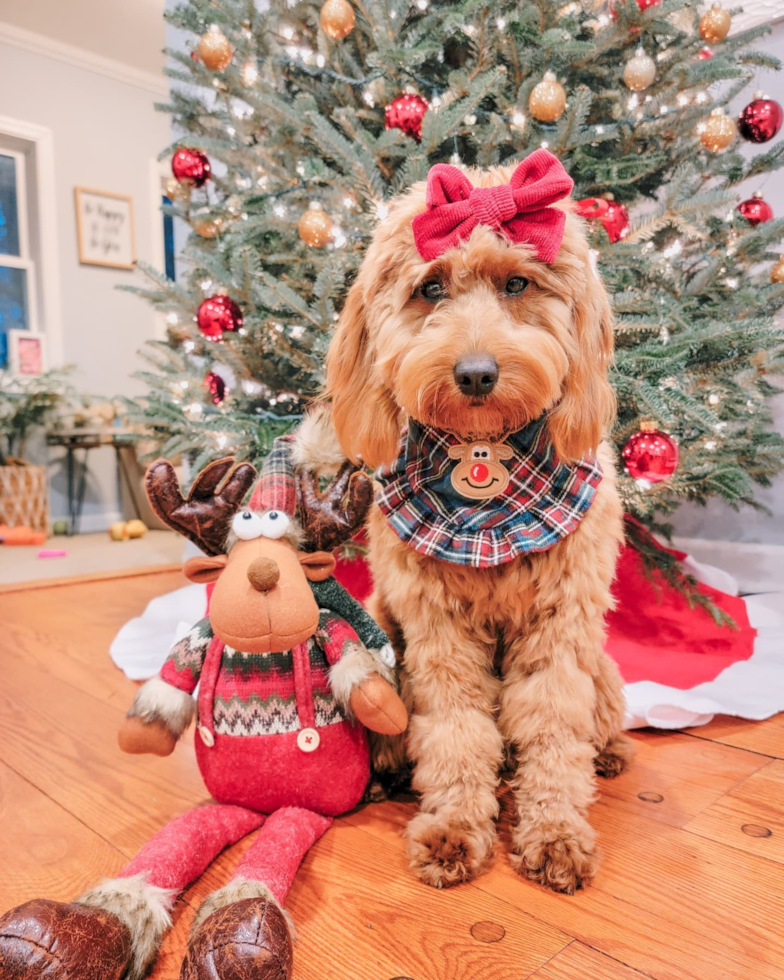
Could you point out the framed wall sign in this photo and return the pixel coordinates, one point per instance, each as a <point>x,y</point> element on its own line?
<point>104,222</point>
<point>26,352</point>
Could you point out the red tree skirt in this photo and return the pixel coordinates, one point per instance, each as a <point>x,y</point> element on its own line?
<point>653,634</point>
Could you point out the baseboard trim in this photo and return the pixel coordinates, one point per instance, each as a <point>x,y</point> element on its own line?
<point>96,522</point>
<point>70,54</point>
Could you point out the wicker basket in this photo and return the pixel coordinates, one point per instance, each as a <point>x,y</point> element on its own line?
<point>24,497</point>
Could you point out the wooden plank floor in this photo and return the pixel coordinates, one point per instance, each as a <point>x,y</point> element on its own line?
<point>691,886</point>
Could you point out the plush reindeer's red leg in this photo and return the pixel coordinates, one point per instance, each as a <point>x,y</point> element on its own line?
<point>242,930</point>
<point>277,852</point>
<point>185,847</point>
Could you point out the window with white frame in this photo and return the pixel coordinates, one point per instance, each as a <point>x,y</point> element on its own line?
<point>17,268</point>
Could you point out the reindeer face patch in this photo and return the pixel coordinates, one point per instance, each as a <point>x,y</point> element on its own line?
<point>480,474</point>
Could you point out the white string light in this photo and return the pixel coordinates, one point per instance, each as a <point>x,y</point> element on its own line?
<point>675,249</point>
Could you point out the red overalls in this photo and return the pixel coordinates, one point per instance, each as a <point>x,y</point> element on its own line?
<point>309,765</point>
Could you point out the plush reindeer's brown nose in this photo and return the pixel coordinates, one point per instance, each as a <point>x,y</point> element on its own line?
<point>263,574</point>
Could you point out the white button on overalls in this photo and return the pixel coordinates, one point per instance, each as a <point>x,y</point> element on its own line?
<point>308,740</point>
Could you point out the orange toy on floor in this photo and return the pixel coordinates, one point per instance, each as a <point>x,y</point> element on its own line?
<point>20,535</point>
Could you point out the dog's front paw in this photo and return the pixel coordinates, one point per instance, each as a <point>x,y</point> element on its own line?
<point>614,757</point>
<point>445,852</point>
<point>562,860</point>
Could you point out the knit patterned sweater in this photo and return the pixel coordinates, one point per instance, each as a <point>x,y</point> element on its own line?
<point>255,693</point>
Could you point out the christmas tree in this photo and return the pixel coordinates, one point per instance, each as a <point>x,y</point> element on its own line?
<point>298,123</point>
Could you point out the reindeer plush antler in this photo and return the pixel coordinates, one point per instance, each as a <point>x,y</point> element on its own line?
<point>204,516</point>
<point>330,518</point>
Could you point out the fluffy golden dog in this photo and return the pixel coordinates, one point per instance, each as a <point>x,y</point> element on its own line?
<point>510,656</point>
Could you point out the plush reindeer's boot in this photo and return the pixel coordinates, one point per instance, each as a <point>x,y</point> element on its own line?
<point>43,940</point>
<point>241,931</point>
<point>249,939</point>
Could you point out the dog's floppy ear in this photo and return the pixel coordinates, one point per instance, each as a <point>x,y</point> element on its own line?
<point>578,423</point>
<point>365,415</point>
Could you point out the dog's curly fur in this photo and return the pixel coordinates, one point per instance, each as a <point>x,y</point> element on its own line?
<point>512,654</point>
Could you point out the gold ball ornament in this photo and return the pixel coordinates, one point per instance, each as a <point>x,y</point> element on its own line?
<point>176,191</point>
<point>639,71</point>
<point>315,227</point>
<point>777,272</point>
<point>206,224</point>
<point>715,24</point>
<point>337,19</point>
<point>719,132</point>
<point>214,49</point>
<point>548,99</point>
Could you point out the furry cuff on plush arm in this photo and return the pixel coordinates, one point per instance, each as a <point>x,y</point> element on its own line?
<point>160,702</point>
<point>356,666</point>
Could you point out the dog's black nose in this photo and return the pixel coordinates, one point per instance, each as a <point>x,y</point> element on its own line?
<point>476,374</point>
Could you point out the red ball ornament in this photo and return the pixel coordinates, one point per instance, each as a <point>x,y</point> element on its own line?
<point>592,207</point>
<point>755,210</point>
<point>613,216</point>
<point>218,315</point>
<point>760,120</point>
<point>705,54</point>
<point>406,112</point>
<point>216,387</point>
<point>191,167</point>
<point>650,455</point>
<point>616,221</point>
<point>642,4</point>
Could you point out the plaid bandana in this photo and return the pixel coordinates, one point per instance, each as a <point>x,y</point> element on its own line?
<point>545,499</point>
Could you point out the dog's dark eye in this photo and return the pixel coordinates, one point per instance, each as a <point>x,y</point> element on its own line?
<point>516,285</point>
<point>433,290</point>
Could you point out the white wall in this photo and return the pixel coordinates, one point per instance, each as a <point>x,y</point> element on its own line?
<point>129,32</point>
<point>717,521</point>
<point>106,133</point>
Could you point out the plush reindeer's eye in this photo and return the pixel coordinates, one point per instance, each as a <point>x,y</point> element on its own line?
<point>274,524</point>
<point>433,291</point>
<point>248,525</point>
<point>516,285</point>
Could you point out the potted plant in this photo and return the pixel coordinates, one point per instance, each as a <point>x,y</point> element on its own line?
<point>25,402</point>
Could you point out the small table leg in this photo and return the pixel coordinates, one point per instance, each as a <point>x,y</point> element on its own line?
<point>76,519</point>
<point>70,469</point>
<point>124,475</point>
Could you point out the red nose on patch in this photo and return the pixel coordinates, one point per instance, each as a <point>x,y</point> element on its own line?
<point>479,472</point>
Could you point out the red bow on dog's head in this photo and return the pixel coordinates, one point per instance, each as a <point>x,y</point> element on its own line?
<point>520,209</point>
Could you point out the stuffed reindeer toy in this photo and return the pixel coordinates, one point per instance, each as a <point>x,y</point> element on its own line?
<point>285,688</point>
